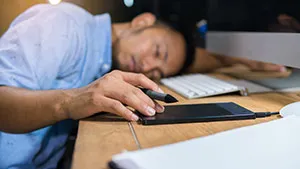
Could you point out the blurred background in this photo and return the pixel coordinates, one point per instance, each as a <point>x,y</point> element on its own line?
<point>9,9</point>
<point>120,10</point>
<point>231,15</point>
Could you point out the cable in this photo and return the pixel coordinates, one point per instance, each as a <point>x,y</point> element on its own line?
<point>265,114</point>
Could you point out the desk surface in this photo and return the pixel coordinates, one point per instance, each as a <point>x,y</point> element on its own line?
<point>98,139</point>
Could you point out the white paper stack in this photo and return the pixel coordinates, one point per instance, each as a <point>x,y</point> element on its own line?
<point>272,145</point>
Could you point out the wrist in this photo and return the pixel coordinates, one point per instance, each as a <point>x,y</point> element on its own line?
<point>63,107</point>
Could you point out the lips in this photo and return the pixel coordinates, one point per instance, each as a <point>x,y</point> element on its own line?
<point>132,64</point>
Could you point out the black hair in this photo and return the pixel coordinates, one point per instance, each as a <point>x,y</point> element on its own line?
<point>189,53</point>
<point>188,34</point>
<point>187,31</point>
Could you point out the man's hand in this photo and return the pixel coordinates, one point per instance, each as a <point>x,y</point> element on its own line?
<point>111,93</point>
<point>206,61</point>
<point>261,66</point>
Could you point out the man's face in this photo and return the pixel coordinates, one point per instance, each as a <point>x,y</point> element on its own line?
<point>155,51</point>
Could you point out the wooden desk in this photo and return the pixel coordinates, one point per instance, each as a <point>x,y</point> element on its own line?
<point>99,140</point>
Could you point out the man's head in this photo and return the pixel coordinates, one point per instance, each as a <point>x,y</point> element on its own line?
<point>148,46</point>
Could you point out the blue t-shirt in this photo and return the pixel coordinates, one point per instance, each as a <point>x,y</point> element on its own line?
<point>50,47</point>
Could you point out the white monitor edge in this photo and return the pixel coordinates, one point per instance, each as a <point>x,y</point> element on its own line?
<point>278,48</point>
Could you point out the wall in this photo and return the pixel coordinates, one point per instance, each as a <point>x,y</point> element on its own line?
<point>9,9</point>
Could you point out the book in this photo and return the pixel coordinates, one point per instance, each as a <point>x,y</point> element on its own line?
<point>271,145</point>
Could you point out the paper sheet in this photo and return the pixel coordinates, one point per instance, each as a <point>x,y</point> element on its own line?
<point>272,145</point>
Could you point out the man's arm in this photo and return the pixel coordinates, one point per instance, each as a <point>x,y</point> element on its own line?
<point>205,62</point>
<point>26,51</point>
<point>24,110</point>
<point>33,53</point>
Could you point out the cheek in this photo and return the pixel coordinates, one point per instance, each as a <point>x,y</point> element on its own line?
<point>124,46</point>
<point>123,51</point>
<point>144,48</point>
<point>174,66</point>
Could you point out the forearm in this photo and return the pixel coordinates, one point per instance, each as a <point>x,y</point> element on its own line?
<point>23,110</point>
<point>205,62</point>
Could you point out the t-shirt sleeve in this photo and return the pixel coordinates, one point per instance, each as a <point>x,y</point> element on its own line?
<point>34,50</point>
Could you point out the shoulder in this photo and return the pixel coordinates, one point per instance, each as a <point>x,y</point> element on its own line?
<point>65,12</point>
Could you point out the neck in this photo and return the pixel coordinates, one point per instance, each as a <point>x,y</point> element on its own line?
<point>117,31</point>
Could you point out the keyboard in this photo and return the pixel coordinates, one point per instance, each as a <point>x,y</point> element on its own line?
<point>200,85</point>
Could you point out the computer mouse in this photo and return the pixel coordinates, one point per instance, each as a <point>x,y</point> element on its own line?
<point>290,109</point>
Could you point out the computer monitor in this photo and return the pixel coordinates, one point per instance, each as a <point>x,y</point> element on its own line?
<point>240,28</point>
<point>256,30</point>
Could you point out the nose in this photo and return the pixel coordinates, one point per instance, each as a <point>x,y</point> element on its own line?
<point>150,63</point>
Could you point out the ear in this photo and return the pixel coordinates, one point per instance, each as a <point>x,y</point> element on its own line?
<point>143,20</point>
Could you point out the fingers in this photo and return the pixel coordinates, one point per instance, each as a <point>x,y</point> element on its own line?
<point>116,107</point>
<point>274,68</point>
<point>159,108</point>
<point>269,67</point>
<point>133,97</point>
<point>260,66</point>
<point>119,88</point>
<point>141,80</point>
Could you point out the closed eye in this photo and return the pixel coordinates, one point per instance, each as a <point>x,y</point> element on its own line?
<point>157,54</point>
